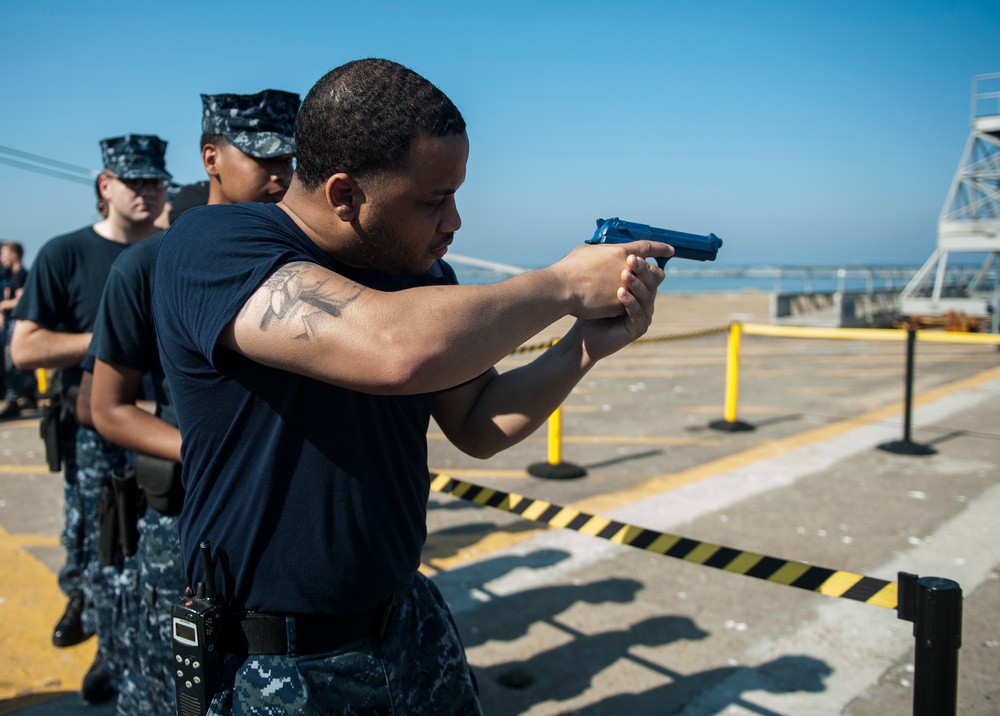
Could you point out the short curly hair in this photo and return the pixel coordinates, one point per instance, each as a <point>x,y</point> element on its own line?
<point>361,118</point>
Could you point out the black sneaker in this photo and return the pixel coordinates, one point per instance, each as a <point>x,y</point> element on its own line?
<point>13,410</point>
<point>97,688</point>
<point>69,630</point>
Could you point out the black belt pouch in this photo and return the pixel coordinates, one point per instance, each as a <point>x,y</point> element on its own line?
<point>160,480</point>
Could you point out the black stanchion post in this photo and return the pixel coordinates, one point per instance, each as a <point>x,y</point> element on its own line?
<point>934,605</point>
<point>906,446</point>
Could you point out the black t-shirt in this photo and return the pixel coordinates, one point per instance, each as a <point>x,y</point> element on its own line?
<point>312,497</point>
<point>123,333</point>
<point>13,280</point>
<point>16,279</point>
<point>65,284</point>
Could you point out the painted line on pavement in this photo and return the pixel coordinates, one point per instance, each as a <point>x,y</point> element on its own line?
<point>30,605</point>
<point>24,470</point>
<point>27,541</point>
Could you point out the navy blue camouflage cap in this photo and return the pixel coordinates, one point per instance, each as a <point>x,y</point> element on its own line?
<point>136,156</point>
<point>172,191</point>
<point>261,125</point>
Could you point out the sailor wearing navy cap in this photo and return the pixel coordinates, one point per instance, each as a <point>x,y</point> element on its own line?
<point>55,317</point>
<point>248,144</point>
<point>247,150</point>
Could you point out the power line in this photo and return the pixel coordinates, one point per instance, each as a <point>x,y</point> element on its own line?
<point>38,159</point>
<point>48,172</point>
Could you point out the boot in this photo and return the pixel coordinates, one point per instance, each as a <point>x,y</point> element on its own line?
<point>97,688</point>
<point>69,630</point>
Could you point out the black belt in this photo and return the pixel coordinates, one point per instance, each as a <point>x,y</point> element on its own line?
<point>256,633</point>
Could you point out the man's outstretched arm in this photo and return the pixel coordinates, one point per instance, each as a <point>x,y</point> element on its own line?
<point>311,321</point>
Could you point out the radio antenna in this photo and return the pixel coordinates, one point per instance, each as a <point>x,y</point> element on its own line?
<point>206,560</point>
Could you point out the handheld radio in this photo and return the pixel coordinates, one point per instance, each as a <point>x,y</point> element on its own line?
<point>196,628</point>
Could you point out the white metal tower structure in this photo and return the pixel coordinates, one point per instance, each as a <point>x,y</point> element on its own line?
<point>969,222</point>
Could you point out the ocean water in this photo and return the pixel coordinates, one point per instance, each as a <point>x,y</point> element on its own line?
<point>796,279</point>
<point>717,284</point>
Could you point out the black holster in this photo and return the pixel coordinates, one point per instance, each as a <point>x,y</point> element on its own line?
<point>48,430</point>
<point>57,426</point>
<point>160,480</point>
<point>107,519</point>
<point>129,506</point>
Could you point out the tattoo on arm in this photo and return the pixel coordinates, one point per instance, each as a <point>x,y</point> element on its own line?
<point>290,295</point>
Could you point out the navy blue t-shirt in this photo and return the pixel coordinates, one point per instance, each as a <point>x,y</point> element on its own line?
<point>123,333</point>
<point>312,497</point>
<point>16,280</point>
<point>65,283</point>
<point>11,283</point>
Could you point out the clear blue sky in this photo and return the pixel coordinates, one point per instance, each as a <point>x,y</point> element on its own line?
<point>800,133</point>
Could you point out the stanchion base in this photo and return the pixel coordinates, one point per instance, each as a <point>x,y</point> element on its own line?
<point>556,471</point>
<point>731,426</point>
<point>906,447</point>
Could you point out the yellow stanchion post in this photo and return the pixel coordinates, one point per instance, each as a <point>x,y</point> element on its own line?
<point>555,437</point>
<point>555,468</point>
<point>43,380</point>
<point>729,422</point>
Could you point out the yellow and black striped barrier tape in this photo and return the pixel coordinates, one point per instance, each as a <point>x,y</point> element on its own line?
<point>683,336</point>
<point>831,582</point>
<point>531,347</point>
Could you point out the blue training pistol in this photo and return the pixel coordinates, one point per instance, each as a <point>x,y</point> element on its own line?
<point>686,246</point>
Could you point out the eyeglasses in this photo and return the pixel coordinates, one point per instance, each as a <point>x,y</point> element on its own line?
<point>138,185</point>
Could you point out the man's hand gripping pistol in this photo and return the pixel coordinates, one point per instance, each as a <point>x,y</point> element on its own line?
<point>686,246</point>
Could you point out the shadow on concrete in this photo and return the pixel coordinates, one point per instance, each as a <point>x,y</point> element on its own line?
<point>713,691</point>
<point>776,420</point>
<point>953,435</point>
<point>56,703</point>
<point>623,458</point>
<point>449,542</point>
<point>523,609</point>
<point>568,670</point>
<point>463,587</point>
<point>452,505</point>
